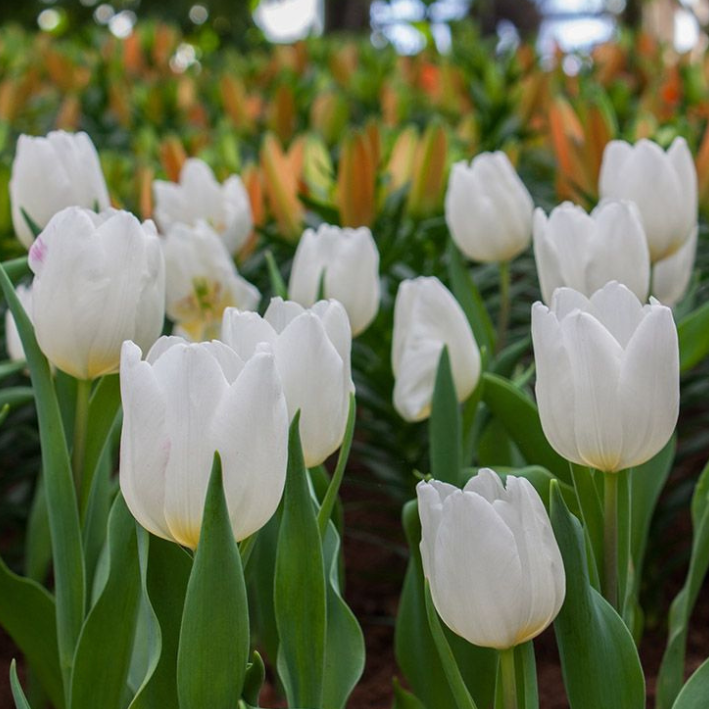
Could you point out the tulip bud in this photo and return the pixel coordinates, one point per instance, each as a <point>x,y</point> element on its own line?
<point>346,261</point>
<point>607,376</point>
<point>13,343</point>
<point>584,252</point>
<point>356,181</point>
<point>671,276</point>
<point>662,184</point>
<point>426,318</point>
<point>49,174</point>
<point>488,209</point>
<point>201,281</point>
<point>428,175</point>
<point>180,405</point>
<point>494,567</point>
<point>199,196</point>
<point>99,280</point>
<point>312,351</point>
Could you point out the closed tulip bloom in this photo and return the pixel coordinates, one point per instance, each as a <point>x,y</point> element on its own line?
<point>199,197</point>
<point>662,184</point>
<point>426,318</point>
<point>607,376</point>
<point>99,280</point>
<point>488,209</point>
<point>671,276</point>
<point>494,567</point>
<point>586,251</point>
<point>312,351</point>
<point>346,261</point>
<point>13,343</point>
<point>51,173</point>
<point>180,405</point>
<point>202,281</point>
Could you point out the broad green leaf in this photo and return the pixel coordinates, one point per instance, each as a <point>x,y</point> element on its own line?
<point>599,659</point>
<point>519,415</point>
<point>17,692</point>
<point>38,542</point>
<point>255,677</point>
<point>8,368</point>
<point>505,362</point>
<point>694,694</point>
<point>590,505</point>
<point>526,672</point>
<point>103,654</point>
<point>214,638</point>
<point>27,614</point>
<point>63,512</point>
<point>16,396</point>
<point>17,268</point>
<point>403,699</point>
<point>300,601</point>
<point>670,677</point>
<point>445,437</point>
<point>693,333</point>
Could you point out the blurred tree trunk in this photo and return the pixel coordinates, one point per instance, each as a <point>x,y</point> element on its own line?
<point>523,14</point>
<point>347,15</point>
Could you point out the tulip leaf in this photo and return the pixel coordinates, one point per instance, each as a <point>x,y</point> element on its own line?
<point>38,542</point>
<point>599,659</point>
<point>17,692</point>
<point>694,694</point>
<point>693,334</point>
<point>253,682</point>
<point>278,285</point>
<point>416,651</point>
<point>16,268</point>
<point>63,512</point>
<point>590,507</point>
<point>27,614</point>
<point>103,654</point>
<point>31,223</point>
<point>669,680</point>
<point>8,368</point>
<point>16,396</point>
<point>526,675</point>
<point>403,699</point>
<point>300,601</point>
<point>214,637</point>
<point>540,478</point>
<point>445,437</point>
<point>468,295</point>
<point>519,415</point>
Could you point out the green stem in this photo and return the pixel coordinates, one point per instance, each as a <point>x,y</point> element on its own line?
<point>509,678</point>
<point>610,538</point>
<point>503,317</point>
<point>81,422</point>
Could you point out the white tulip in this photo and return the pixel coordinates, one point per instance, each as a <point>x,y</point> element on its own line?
<point>584,252</point>
<point>494,567</point>
<point>426,318</point>
<point>607,376</point>
<point>671,276</point>
<point>202,281</point>
<point>51,173</point>
<point>662,184</point>
<point>347,263</point>
<point>312,351</point>
<point>488,208</point>
<point>13,343</point>
<point>180,405</point>
<point>199,197</point>
<point>99,280</point>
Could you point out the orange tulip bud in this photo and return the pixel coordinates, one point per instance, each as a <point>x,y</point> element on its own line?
<point>356,178</point>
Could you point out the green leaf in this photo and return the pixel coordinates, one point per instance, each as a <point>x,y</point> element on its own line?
<point>445,436</point>
<point>31,223</point>
<point>253,682</point>
<point>214,639</point>
<point>8,368</point>
<point>17,692</point>
<point>300,603</point>
<point>278,285</point>
<point>693,333</point>
<point>16,268</point>
<point>16,396</point>
<point>519,415</point>
<point>526,675</point>
<point>403,699</point>
<point>590,506</point>
<point>694,694</point>
<point>63,512</point>
<point>599,659</point>
<point>669,679</point>
<point>103,654</point>
<point>27,614</point>
<point>38,542</point>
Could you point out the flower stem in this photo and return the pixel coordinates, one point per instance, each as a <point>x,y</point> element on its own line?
<point>509,679</point>
<point>81,422</point>
<point>503,317</point>
<point>610,538</point>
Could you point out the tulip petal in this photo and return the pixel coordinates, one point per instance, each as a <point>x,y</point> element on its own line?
<point>243,331</point>
<point>618,309</point>
<point>671,276</point>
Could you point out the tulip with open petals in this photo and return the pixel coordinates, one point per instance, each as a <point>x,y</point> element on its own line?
<point>312,351</point>
<point>426,318</point>
<point>99,280</point>
<point>607,376</point>
<point>662,184</point>
<point>51,173</point>
<point>199,197</point>
<point>494,567</point>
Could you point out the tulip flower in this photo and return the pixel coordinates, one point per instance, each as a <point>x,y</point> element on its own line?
<point>347,262</point>
<point>491,559</point>
<point>312,351</point>
<point>426,318</point>
<point>202,281</point>
<point>13,343</point>
<point>180,405</point>
<point>199,197</point>
<point>99,280</point>
<point>488,209</point>
<point>607,376</point>
<point>584,252</point>
<point>662,184</point>
<point>671,276</point>
<point>51,173</point>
